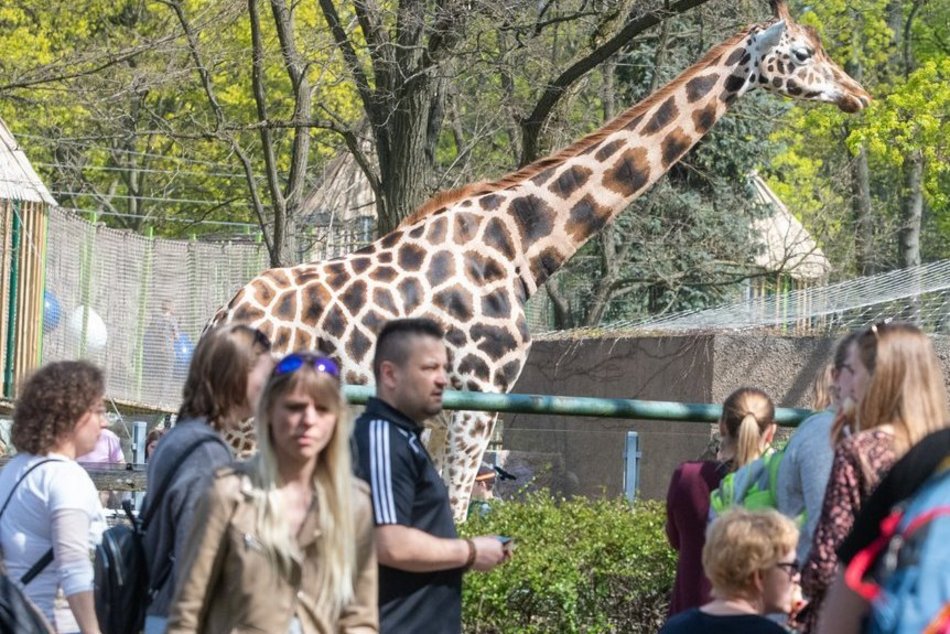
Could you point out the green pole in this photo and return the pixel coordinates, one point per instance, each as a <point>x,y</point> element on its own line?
<point>582,406</point>
<point>44,249</point>
<point>11,309</point>
<point>143,311</point>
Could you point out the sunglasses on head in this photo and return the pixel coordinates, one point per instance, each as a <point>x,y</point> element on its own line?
<point>296,360</point>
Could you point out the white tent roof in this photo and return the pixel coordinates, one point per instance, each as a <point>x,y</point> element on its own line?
<point>788,245</point>
<point>18,179</point>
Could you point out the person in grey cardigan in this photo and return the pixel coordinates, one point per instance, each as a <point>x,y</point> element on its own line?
<point>805,468</point>
<point>228,370</point>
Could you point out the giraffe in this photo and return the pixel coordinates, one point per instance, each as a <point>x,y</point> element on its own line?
<point>470,258</point>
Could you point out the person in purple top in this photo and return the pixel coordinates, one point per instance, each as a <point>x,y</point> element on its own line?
<point>108,450</point>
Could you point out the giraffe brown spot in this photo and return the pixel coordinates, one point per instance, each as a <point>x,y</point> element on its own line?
<point>327,349</point>
<point>384,274</point>
<point>334,324</point>
<point>629,174</point>
<point>507,375</point>
<point>699,87</point>
<point>286,308</point>
<point>410,257</point>
<point>456,337</point>
<point>237,299</point>
<point>633,123</point>
<point>472,365</point>
<point>383,299</point>
<point>780,65</point>
<point>472,386</point>
<point>777,82</point>
<point>278,276</point>
<point>674,146</point>
<point>358,345</point>
<point>437,230</point>
<point>373,321</point>
<point>281,338</point>
<point>412,293</point>
<point>793,88</point>
<point>482,270</point>
<point>496,304</point>
<point>662,117</point>
<point>490,202</point>
<point>265,294</point>
<point>441,267</point>
<point>497,237</point>
<point>608,150</point>
<point>570,181</point>
<point>705,118</point>
<point>494,341</point>
<point>248,313</point>
<point>354,296</point>
<point>305,274</point>
<point>384,257</point>
<point>745,59</point>
<point>533,217</point>
<point>522,325</point>
<point>735,56</point>
<point>542,177</point>
<point>545,264</point>
<point>465,228</point>
<point>391,239</point>
<point>336,273</point>
<point>456,301</point>
<point>734,83</point>
<point>586,218</point>
<point>416,232</point>
<point>352,378</point>
<point>304,340</point>
<point>360,264</point>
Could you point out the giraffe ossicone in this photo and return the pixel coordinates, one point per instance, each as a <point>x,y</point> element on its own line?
<point>471,258</point>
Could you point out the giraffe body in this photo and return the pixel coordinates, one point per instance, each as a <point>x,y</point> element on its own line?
<point>472,257</point>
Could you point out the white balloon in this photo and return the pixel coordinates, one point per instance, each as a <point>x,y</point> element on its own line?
<point>96,333</point>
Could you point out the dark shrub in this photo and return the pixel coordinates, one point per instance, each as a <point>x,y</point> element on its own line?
<point>579,566</point>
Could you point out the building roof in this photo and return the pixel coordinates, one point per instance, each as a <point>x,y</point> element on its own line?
<point>18,179</point>
<point>788,245</point>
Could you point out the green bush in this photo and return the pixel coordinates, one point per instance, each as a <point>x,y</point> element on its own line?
<point>579,566</point>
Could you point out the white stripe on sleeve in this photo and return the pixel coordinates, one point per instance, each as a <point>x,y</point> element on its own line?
<point>381,473</point>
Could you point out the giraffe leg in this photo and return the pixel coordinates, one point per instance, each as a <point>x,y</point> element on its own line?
<point>469,433</point>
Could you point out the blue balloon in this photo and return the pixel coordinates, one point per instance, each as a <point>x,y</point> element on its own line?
<point>184,347</point>
<point>52,312</point>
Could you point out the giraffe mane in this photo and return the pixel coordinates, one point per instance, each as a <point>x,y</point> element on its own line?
<point>446,198</point>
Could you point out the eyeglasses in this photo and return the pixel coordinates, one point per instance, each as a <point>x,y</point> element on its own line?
<point>294,361</point>
<point>792,568</point>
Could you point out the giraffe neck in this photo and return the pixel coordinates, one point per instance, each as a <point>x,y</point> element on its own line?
<point>566,199</point>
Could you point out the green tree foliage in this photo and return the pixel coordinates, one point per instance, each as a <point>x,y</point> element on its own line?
<point>901,49</point>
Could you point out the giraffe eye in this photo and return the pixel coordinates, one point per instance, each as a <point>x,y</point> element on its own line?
<point>802,55</point>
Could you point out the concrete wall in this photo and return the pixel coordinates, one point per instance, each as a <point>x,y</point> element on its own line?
<point>703,368</point>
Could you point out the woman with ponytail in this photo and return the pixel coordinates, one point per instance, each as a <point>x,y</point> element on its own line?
<point>284,542</point>
<point>746,429</point>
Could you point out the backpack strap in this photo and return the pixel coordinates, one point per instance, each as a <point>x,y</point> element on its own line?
<point>47,557</point>
<point>160,490</point>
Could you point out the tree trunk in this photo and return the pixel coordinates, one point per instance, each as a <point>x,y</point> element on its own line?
<point>861,208</point>
<point>911,210</point>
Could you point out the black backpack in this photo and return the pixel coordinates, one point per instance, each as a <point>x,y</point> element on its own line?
<point>18,615</point>
<point>122,591</point>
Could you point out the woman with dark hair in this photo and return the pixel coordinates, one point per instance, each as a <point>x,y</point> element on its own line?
<point>284,542</point>
<point>228,370</point>
<point>50,503</point>
<point>746,427</point>
<point>901,397</point>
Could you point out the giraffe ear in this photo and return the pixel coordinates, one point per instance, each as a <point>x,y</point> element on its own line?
<point>779,9</point>
<point>770,37</point>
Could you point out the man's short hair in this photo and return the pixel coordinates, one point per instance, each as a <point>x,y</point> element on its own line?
<point>394,343</point>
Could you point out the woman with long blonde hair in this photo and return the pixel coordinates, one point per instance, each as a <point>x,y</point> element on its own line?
<point>284,542</point>
<point>900,394</point>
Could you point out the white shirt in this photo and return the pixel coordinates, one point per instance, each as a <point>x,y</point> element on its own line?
<point>26,531</point>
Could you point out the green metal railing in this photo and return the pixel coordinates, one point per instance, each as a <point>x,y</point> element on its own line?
<point>583,406</point>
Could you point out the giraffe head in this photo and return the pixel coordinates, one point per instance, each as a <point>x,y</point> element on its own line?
<point>787,58</point>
